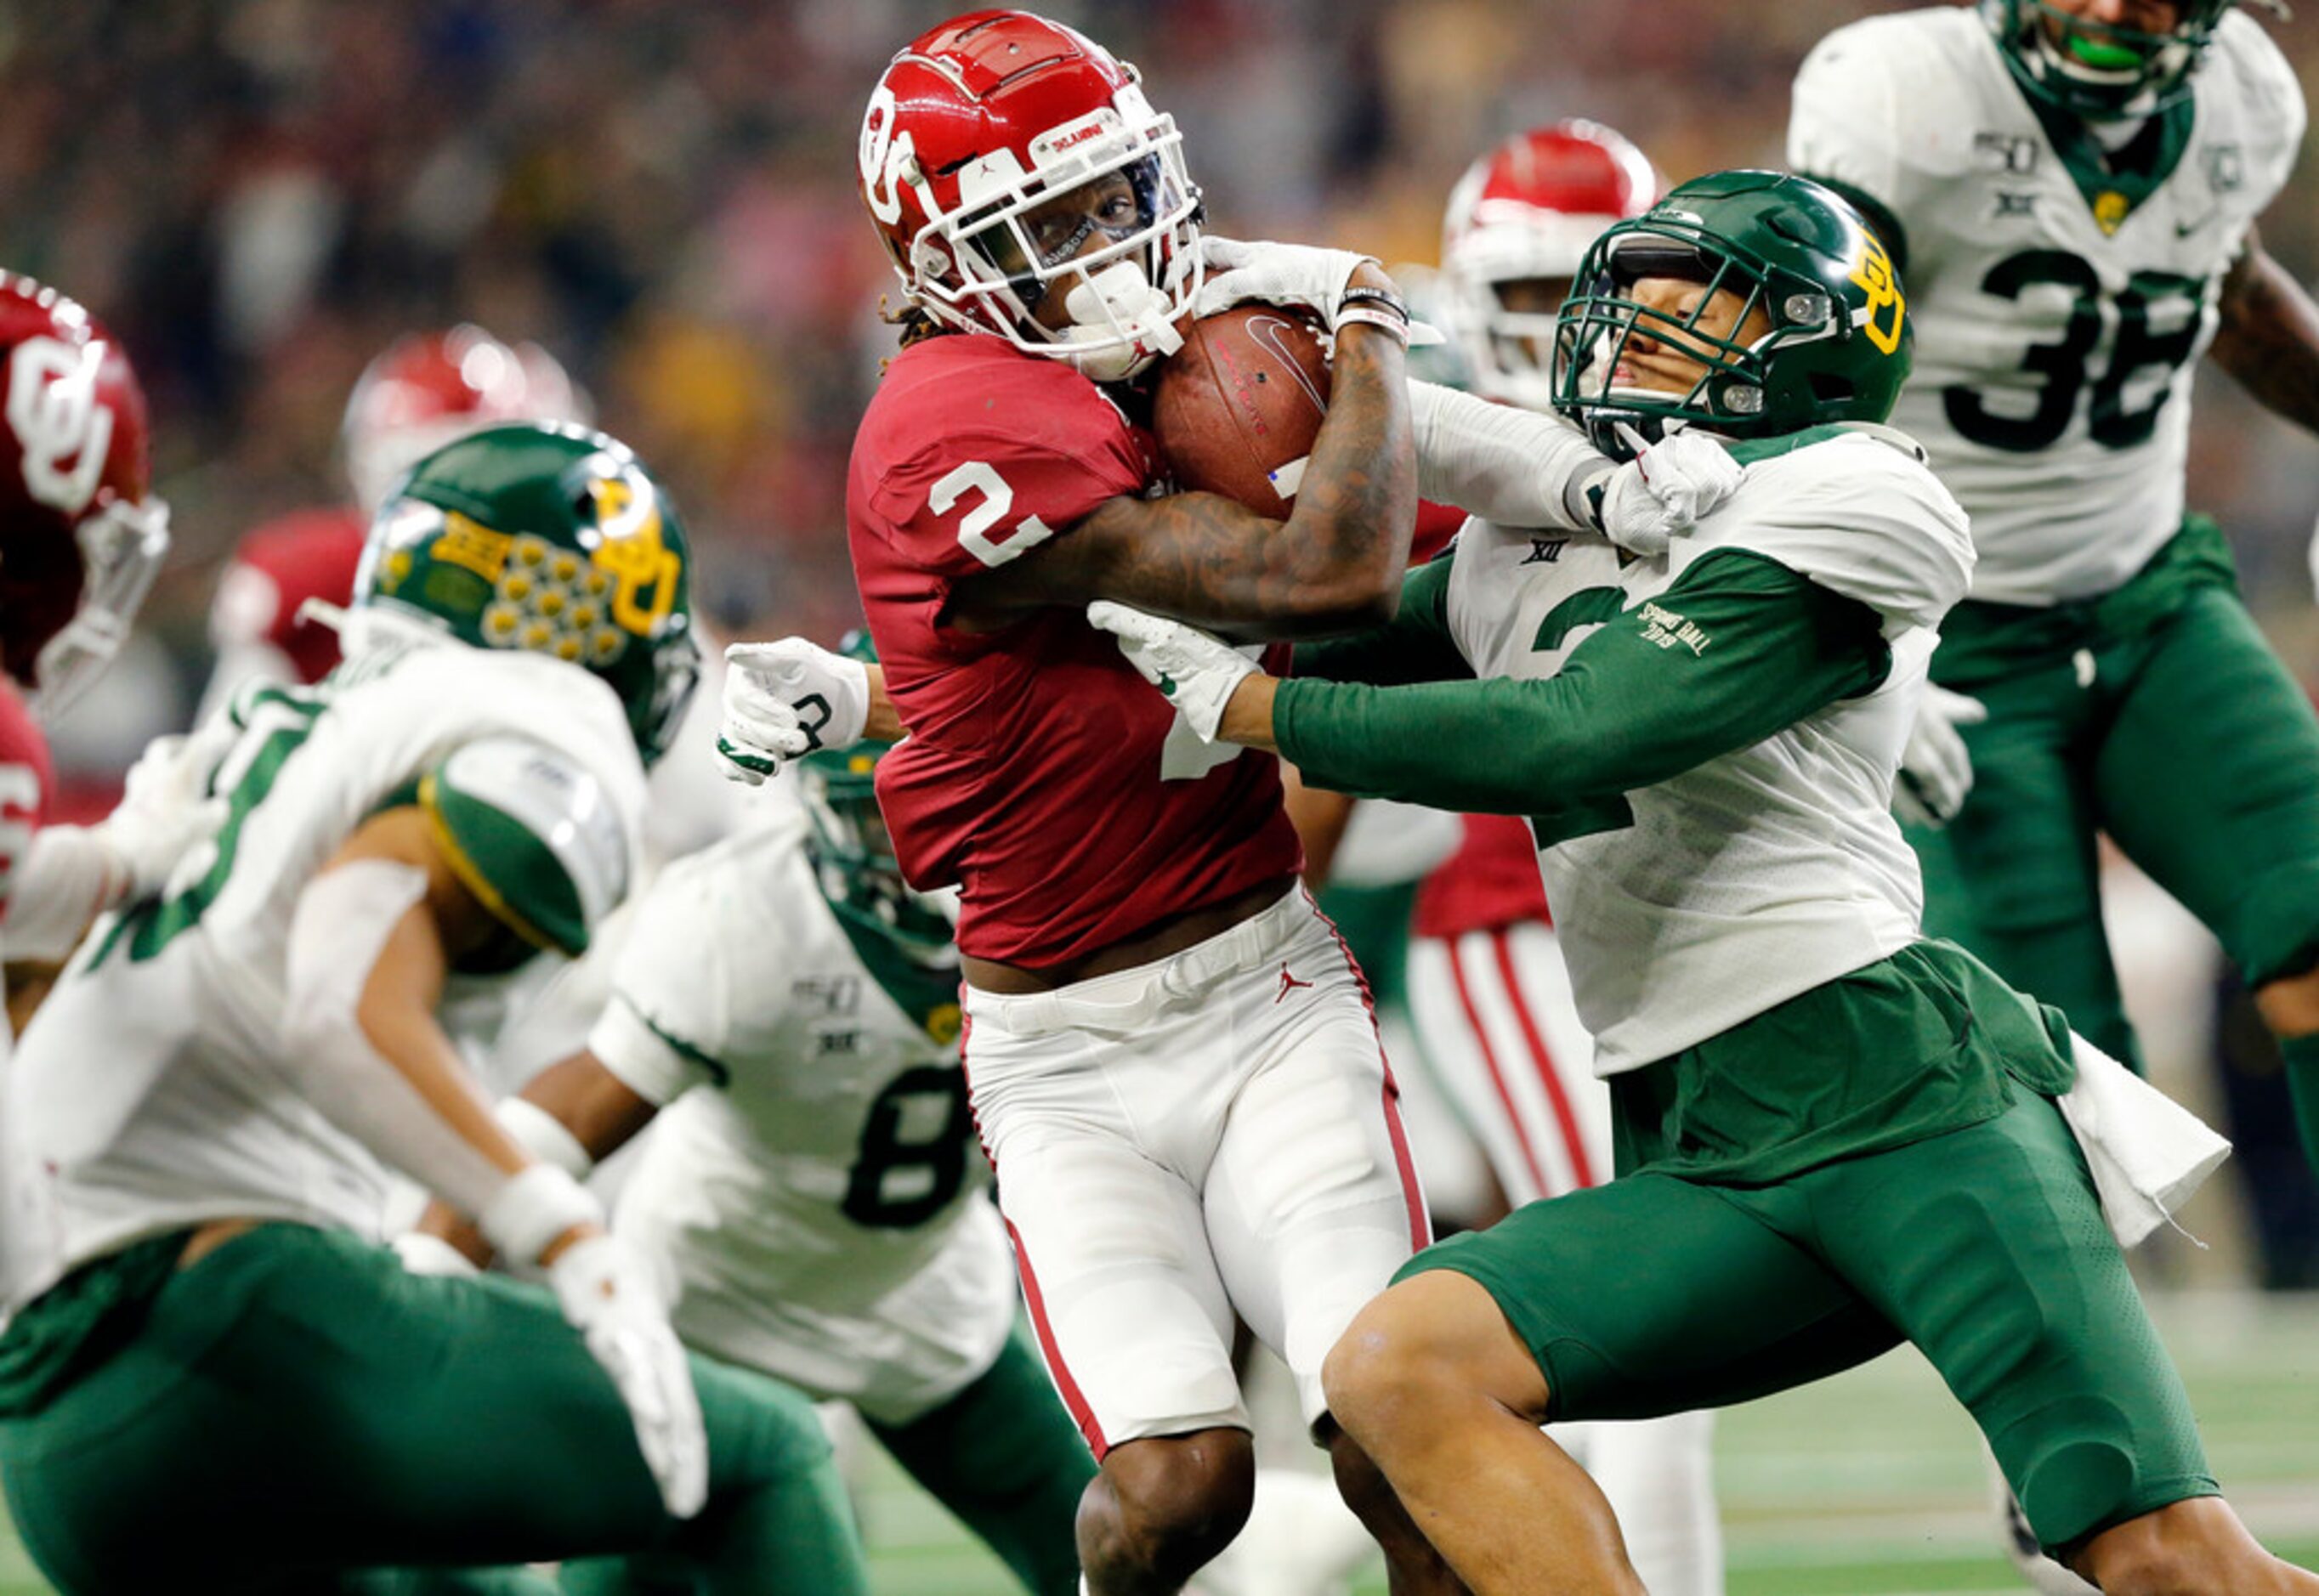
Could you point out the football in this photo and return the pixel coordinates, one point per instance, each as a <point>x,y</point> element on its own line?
<point>1236,408</point>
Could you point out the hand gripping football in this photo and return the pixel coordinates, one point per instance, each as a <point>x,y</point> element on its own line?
<point>1236,408</point>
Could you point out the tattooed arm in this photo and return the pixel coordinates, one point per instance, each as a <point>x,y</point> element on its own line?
<point>2269,336</point>
<point>1335,565</point>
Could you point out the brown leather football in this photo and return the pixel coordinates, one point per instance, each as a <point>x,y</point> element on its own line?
<point>1236,408</point>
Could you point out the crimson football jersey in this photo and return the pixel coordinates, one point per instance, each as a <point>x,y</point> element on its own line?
<point>308,553</point>
<point>1492,880</point>
<point>1042,775</point>
<point>26,780</point>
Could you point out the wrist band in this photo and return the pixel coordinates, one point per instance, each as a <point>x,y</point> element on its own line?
<point>538,1204</point>
<point>1383,299</point>
<point>1398,330</point>
<point>544,1136</point>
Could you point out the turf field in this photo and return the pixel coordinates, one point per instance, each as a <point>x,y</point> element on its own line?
<point>1868,1485</point>
<point>1872,1485</point>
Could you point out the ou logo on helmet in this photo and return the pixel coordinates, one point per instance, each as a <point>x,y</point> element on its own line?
<point>64,431</point>
<point>886,160</point>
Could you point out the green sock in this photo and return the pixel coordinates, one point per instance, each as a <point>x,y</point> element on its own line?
<point>2302,1056</point>
<point>1004,1457</point>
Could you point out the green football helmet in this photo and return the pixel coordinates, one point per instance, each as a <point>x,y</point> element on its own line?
<point>2102,70</point>
<point>860,873</point>
<point>1803,267</point>
<point>552,539</point>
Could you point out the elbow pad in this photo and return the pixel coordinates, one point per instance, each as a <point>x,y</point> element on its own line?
<point>1504,465</point>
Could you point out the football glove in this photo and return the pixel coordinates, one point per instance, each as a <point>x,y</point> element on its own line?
<point>1292,275</point>
<point>1935,767</point>
<point>783,700</point>
<point>1662,491</point>
<point>1195,673</point>
<point>607,1293</point>
<point>162,812</point>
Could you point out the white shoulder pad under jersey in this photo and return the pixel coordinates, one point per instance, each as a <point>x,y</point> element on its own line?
<point>1858,512</point>
<point>2060,303</point>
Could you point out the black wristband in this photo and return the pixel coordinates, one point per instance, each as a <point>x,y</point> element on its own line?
<point>1382,299</point>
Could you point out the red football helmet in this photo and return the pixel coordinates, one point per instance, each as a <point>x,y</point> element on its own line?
<point>1525,212</point>
<point>432,387</point>
<point>973,132</point>
<point>80,536</point>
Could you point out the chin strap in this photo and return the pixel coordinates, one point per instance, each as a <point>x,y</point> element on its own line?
<point>1119,303</point>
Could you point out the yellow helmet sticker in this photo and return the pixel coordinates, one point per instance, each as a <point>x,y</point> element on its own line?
<point>1874,272</point>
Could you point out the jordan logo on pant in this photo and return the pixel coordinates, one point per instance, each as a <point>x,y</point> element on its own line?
<point>1288,983</point>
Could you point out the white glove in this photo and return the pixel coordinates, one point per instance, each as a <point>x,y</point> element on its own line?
<point>162,813</point>
<point>1935,769</point>
<point>1664,491</point>
<point>784,699</point>
<point>422,1254</point>
<point>608,1294</point>
<point>1275,275</point>
<point>1194,671</point>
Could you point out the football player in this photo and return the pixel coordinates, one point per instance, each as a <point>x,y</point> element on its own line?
<point>1171,1062</point>
<point>420,393</point>
<point>787,1009</point>
<point>1488,993</point>
<point>82,536</point>
<point>1835,1134</point>
<point>2072,188</point>
<point>214,1376</point>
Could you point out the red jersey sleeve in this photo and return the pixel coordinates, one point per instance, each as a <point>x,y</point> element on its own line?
<point>26,780</point>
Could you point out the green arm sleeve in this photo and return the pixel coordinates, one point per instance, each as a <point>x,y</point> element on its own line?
<point>1415,646</point>
<point>1739,648</point>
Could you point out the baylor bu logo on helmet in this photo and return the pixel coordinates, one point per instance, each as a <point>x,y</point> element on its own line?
<point>80,535</point>
<point>975,137</point>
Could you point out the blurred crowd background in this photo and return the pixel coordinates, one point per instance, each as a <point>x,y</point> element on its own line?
<point>261,194</point>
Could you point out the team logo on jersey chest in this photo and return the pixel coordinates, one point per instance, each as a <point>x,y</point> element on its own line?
<point>1545,550</point>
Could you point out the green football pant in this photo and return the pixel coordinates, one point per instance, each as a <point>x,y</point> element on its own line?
<point>1985,1247</point>
<point>2190,745</point>
<point>295,1407</point>
<point>1006,1457</point>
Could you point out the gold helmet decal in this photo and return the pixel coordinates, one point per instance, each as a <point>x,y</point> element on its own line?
<point>630,550</point>
<point>1874,272</point>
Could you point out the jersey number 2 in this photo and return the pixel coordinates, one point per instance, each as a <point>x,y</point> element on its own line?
<point>998,495</point>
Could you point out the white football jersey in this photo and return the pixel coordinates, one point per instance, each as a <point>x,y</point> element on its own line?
<point>1763,873</point>
<point>151,1092</point>
<point>816,1188</point>
<point>2057,320</point>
